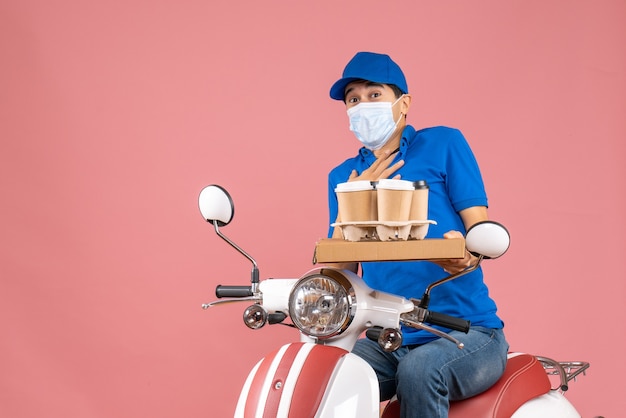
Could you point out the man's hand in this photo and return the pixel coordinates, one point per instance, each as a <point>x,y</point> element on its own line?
<point>455,265</point>
<point>379,169</point>
<point>470,216</point>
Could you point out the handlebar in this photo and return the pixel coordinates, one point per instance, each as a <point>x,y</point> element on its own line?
<point>447,321</point>
<point>233,291</point>
<point>420,316</point>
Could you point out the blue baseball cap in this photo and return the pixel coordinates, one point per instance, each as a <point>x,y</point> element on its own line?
<point>370,66</point>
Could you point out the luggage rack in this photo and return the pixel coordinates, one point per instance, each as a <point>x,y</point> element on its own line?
<point>566,370</point>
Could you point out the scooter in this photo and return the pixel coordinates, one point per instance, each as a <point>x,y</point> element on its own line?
<point>318,376</point>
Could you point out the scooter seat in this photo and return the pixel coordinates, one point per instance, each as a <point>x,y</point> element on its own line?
<point>524,378</point>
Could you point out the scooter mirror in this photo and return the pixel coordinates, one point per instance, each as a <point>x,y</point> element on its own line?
<point>488,238</point>
<point>216,205</point>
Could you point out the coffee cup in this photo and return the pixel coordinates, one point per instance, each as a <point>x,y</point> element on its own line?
<point>356,201</point>
<point>394,199</point>
<point>419,209</point>
<point>394,205</point>
<point>419,201</point>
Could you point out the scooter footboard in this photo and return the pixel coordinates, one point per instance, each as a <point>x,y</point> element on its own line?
<point>310,380</point>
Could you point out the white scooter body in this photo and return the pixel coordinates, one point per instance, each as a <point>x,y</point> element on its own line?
<point>552,404</point>
<point>319,377</point>
<point>350,392</point>
<point>335,382</point>
<point>310,380</point>
<point>306,379</point>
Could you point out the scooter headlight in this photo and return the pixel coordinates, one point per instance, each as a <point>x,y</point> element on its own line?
<point>322,305</point>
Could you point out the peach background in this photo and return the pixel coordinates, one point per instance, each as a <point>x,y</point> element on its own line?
<point>114,114</point>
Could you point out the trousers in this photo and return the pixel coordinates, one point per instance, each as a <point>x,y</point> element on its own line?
<point>427,377</point>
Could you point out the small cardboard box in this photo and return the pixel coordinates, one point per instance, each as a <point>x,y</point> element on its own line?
<point>332,250</point>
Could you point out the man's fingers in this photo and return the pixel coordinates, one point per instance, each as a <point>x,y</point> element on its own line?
<point>389,171</point>
<point>379,169</point>
<point>453,234</point>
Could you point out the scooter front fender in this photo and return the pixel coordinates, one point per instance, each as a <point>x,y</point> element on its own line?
<point>310,380</point>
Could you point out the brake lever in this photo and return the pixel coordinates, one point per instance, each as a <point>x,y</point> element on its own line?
<point>416,316</point>
<point>421,325</point>
<point>255,299</point>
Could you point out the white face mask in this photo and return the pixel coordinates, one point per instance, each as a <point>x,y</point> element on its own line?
<point>372,123</point>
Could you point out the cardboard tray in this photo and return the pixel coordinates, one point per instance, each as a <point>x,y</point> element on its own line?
<point>333,250</point>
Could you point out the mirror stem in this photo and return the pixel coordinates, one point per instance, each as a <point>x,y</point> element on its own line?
<point>254,275</point>
<point>426,297</point>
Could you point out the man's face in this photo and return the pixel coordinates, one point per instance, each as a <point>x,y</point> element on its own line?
<point>366,91</point>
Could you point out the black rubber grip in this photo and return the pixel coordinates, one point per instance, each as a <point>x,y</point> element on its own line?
<point>373,333</point>
<point>447,321</point>
<point>233,291</point>
<point>276,317</point>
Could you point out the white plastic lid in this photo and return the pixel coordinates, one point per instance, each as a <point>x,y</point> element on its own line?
<point>354,186</point>
<point>395,184</point>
